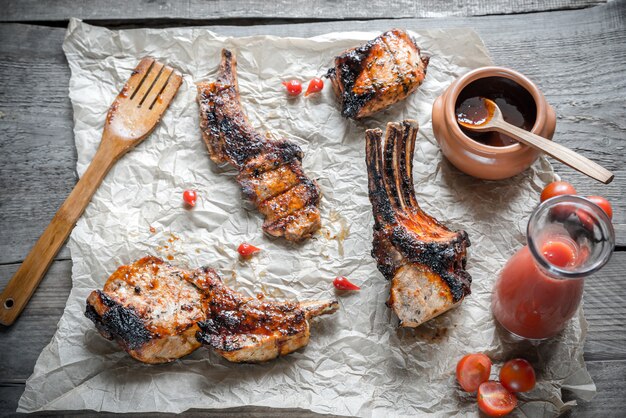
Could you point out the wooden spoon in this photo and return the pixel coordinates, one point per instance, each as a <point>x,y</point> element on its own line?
<point>131,118</point>
<point>489,118</point>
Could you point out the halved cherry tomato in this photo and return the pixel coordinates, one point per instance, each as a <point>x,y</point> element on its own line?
<point>494,400</point>
<point>517,375</point>
<point>604,204</point>
<point>190,196</point>
<point>247,250</point>
<point>293,87</point>
<point>557,188</point>
<point>342,283</point>
<point>315,85</point>
<point>472,370</point>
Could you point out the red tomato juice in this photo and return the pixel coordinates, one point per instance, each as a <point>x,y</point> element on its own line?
<point>531,304</point>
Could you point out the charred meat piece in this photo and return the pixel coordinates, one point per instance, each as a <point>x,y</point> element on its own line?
<point>374,76</point>
<point>151,309</point>
<point>250,330</point>
<point>158,313</point>
<point>424,260</point>
<point>270,171</point>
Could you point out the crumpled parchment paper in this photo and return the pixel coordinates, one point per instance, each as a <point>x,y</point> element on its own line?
<point>358,362</point>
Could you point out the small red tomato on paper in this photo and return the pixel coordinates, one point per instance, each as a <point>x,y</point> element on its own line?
<point>315,85</point>
<point>342,283</point>
<point>190,196</point>
<point>247,250</point>
<point>517,375</point>
<point>293,87</point>
<point>473,370</point>
<point>494,400</point>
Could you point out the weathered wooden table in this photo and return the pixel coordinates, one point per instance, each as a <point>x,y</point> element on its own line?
<point>574,50</point>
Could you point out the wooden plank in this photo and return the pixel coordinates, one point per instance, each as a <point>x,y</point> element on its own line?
<point>36,120</point>
<point>604,304</point>
<point>37,152</point>
<point>558,45</point>
<point>609,377</point>
<point>121,10</point>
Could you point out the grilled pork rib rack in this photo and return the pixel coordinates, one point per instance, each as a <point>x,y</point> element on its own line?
<point>270,171</point>
<point>158,313</point>
<point>424,260</point>
<point>374,76</point>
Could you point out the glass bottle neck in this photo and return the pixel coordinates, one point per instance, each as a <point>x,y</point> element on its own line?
<point>570,237</point>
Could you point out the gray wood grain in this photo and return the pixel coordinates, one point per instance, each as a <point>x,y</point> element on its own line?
<point>37,152</point>
<point>553,49</point>
<point>122,10</point>
<point>578,58</point>
<point>605,348</point>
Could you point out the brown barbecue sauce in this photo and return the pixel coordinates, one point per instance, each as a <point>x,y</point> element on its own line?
<point>516,104</point>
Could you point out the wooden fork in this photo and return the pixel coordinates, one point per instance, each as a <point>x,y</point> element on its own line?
<point>131,118</point>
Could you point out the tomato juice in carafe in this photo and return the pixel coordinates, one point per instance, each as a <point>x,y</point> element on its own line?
<point>540,288</point>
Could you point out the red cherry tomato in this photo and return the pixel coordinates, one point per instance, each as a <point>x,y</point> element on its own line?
<point>517,375</point>
<point>557,188</point>
<point>585,218</point>
<point>247,250</point>
<point>494,400</point>
<point>190,196</point>
<point>315,85</point>
<point>293,87</point>
<point>472,370</point>
<point>604,204</point>
<point>342,283</point>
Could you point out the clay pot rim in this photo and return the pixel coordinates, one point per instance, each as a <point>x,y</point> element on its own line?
<point>486,72</point>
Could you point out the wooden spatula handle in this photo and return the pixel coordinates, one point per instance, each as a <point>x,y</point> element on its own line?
<point>561,153</point>
<point>22,285</point>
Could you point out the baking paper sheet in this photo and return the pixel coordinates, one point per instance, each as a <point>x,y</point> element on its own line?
<point>358,362</point>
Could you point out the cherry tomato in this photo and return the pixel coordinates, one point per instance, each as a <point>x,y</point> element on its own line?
<point>562,212</point>
<point>247,250</point>
<point>603,203</point>
<point>494,400</point>
<point>342,283</point>
<point>557,188</point>
<point>190,196</point>
<point>585,218</point>
<point>472,370</point>
<point>315,85</point>
<point>517,375</point>
<point>293,87</point>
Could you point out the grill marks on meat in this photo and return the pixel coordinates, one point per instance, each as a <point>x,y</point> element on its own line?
<point>270,171</point>
<point>372,77</point>
<point>151,309</point>
<point>243,329</point>
<point>158,313</point>
<point>424,260</point>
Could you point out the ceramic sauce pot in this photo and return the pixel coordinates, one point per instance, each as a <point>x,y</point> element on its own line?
<point>513,92</point>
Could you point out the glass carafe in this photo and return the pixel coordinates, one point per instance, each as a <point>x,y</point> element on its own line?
<point>541,286</point>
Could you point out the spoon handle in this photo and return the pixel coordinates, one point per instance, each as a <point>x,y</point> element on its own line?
<point>561,153</point>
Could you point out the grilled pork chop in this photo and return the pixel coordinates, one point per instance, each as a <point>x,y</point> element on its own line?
<point>424,260</point>
<point>374,76</point>
<point>270,171</point>
<point>158,313</point>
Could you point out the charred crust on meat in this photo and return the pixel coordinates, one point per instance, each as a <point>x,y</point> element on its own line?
<point>350,65</point>
<point>373,76</point>
<point>230,138</point>
<point>403,233</point>
<point>189,308</point>
<point>119,323</point>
